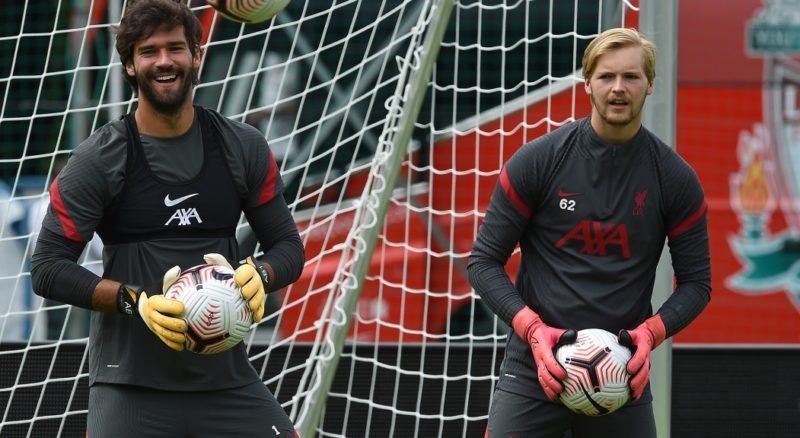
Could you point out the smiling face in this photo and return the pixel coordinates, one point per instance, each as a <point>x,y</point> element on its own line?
<point>165,70</point>
<point>617,88</point>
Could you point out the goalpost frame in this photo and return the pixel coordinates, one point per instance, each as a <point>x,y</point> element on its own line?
<point>415,90</point>
<point>658,20</point>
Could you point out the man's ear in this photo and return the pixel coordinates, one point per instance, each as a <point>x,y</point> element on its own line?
<point>129,69</point>
<point>198,56</point>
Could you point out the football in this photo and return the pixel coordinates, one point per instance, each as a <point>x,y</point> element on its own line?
<point>215,312</point>
<point>248,11</point>
<point>597,381</point>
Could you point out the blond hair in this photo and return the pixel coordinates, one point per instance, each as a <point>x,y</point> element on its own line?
<point>618,38</point>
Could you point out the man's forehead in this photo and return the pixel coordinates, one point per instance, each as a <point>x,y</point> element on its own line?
<point>626,58</point>
<point>164,34</point>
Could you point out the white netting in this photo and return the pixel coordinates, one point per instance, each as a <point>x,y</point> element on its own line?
<point>328,84</point>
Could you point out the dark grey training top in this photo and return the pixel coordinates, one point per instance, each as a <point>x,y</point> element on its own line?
<point>591,219</point>
<point>151,216</point>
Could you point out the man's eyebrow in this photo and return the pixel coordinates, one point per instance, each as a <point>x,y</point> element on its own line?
<point>174,43</point>
<point>621,71</point>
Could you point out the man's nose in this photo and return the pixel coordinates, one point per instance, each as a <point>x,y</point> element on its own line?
<point>163,58</point>
<point>618,84</point>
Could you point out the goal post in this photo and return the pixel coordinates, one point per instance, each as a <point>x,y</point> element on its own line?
<point>659,21</point>
<point>397,132</point>
<point>390,121</point>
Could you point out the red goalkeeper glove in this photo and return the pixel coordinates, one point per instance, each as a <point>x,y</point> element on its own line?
<point>543,340</point>
<point>642,340</point>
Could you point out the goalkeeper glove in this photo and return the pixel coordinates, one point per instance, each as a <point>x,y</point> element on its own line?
<point>156,311</point>
<point>252,277</point>
<point>543,340</point>
<point>642,340</point>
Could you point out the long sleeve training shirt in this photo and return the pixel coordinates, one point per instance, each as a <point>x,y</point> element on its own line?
<point>591,219</point>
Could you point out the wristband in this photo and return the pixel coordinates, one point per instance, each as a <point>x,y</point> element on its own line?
<point>127,297</point>
<point>262,272</point>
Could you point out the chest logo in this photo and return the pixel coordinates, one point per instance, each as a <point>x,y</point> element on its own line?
<point>173,202</point>
<point>639,201</point>
<point>596,237</point>
<point>184,216</point>
<point>563,194</point>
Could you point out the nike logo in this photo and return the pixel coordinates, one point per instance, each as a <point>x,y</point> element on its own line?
<point>172,202</point>
<point>563,194</point>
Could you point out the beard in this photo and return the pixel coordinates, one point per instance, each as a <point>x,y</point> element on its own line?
<point>617,119</point>
<point>167,102</point>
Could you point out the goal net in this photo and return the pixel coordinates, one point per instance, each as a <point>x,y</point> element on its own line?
<point>390,121</point>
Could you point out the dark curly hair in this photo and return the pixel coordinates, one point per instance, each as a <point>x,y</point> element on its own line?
<point>143,18</point>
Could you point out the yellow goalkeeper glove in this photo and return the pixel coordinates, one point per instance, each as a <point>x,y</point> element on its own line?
<point>252,277</point>
<point>157,311</point>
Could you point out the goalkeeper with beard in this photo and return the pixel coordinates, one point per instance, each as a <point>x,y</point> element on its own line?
<point>163,187</point>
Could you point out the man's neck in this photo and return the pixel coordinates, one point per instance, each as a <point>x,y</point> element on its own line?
<point>153,123</point>
<point>612,133</point>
